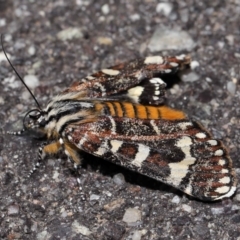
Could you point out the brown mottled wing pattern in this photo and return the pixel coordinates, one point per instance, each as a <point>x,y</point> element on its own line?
<point>180,153</point>
<point>123,78</point>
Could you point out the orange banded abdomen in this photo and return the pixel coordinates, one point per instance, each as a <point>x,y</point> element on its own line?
<point>131,110</point>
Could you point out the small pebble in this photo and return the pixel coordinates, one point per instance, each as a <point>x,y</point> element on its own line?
<point>94,197</point>
<point>55,175</point>
<point>119,179</point>
<point>13,210</point>
<point>176,200</point>
<point>231,87</point>
<point>187,208</point>
<point>78,228</point>
<point>136,235</point>
<point>31,50</point>
<point>2,22</point>
<point>202,229</point>
<point>208,79</point>
<point>190,77</point>
<point>230,39</point>
<point>237,197</point>
<point>3,58</point>
<point>31,81</point>
<point>105,9</point>
<point>114,205</point>
<point>217,210</point>
<point>132,215</point>
<point>170,39</point>
<point>104,41</point>
<point>2,101</point>
<point>164,8</point>
<point>70,33</point>
<point>135,17</point>
<point>194,64</point>
<point>42,235</point>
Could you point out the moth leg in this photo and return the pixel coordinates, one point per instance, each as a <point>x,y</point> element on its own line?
<point>73,152</point>
<point>53,148</point>
<point>44,150</point>
<point>17,133</point>
<point>49,149</point>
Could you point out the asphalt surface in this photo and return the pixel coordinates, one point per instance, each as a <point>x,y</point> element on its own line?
<point>54,43</point>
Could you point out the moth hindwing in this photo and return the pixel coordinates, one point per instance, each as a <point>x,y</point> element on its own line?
<point>119,114</point>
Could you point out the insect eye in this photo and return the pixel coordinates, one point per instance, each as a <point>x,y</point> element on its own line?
<point>34,116</point>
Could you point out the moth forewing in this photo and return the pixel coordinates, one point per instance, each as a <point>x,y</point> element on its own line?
<point>177,152</point>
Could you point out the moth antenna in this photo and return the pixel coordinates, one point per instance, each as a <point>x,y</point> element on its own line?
<point>20,78</point>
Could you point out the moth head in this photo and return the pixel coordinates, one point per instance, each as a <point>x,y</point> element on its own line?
<point>34,123</point>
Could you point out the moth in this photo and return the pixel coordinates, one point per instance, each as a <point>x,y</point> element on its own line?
<point>119,114</point>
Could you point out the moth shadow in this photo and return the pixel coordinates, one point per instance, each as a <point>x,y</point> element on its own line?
<point>107,168</point>
<point>171,79</point>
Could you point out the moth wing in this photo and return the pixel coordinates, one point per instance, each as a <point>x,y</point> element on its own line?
<point>138,80</point>
<point>179,153</point>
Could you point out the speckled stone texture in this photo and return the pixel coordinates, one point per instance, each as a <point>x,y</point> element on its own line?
<point>53,43</point>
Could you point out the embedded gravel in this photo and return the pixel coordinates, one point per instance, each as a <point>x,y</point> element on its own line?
<point>52,44</point>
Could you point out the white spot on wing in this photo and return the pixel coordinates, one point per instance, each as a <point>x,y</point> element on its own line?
<point>212,142</point>
<point>155,127</point>
<point>188,189</point>
<point>113,129</point>
<point>229,191</point>
<point>115,145</point>
<point>103,90</point>
<point>201,135</point>
<point>167,70</point>
<point>222,162</point>
<point>219,152</point>
<point>82,141</point>
<point>142,154</point>
<point>225,171</point>
<point>173,64</point>
<point>183,126</point>
<point>90,77</point>
<point>184,141</point>
<point>222,189</point>
<point>110,72</point>
<point>154,60</point>
<point>157,81</point>
<point>102,149</point>
<point>225,180</point>
<point>181,57</point>
<point>180,169</point>
<point>135,92</point>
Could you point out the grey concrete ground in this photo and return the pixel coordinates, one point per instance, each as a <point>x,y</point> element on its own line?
<point>53,43</point>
